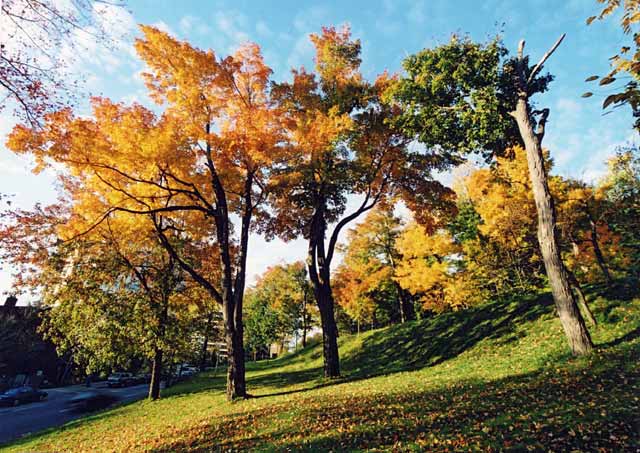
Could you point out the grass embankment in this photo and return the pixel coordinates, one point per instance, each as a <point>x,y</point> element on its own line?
<point>494,378</point>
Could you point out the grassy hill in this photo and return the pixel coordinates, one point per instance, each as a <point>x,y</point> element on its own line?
<point>494,378</point>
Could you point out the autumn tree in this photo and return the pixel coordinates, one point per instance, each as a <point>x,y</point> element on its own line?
<point>621,189</point>
<point>206,159</point>
<point>33,75</point>
<point>503,246</point>
<point>112,295</point>
<point>431,267</point>
<point>464,97</point>
<point>364,279</point>
<point>345,148</point>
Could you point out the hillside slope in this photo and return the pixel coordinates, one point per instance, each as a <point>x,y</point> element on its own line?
<point>494,378</point>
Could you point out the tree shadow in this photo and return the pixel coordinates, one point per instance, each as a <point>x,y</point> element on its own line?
<point>626,338</point>
<point>585,410</point>
<point>416,345</point>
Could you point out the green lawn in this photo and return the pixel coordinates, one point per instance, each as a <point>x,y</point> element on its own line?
<point>494,378</point>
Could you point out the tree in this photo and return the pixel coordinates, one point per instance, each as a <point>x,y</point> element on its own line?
<point>531,124</point>
<point>431,268</point>
<point>285,289</point>
<point>32,74</point>
<point>625,61</point>
<point>345,147</point>
<point>621,189</point>
<point>113,295</point>
<point>464,97</point>
<point>366,274</point>
<point>261,324</point>
<point>206,159</point>
<point>501,241</point>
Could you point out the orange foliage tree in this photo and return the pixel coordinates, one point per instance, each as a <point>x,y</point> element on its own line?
<point>205,159</point>
<point>344,147</point>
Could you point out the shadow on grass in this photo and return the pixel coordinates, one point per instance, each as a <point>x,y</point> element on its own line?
<point>430,342</point>
<point>557,410</point>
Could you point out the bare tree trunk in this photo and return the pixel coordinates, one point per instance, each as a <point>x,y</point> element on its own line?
<point>156,374</point>
<point>582,300</point>
<point>570,317</point>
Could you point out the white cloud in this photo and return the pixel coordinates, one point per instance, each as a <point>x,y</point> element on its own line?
<point>310,20</point>
<point>416,14</point>
<point>190,24</point>
<point>263,29</point>
<point>302,52</point>
<point>232,24</point>
<point>163,26</point>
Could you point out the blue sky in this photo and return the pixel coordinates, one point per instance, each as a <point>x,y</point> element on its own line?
<point>579,137</point>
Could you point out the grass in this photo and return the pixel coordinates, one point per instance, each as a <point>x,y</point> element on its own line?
<point>494,378</point>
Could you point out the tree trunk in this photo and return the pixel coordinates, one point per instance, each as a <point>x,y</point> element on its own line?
<point>401,303</point>
<point>236,385</point>
<point>205,343</point>
<point>329,331</point>
<point>304,319</point>
<point>582,300</point>
<point>570,317</point>
<point>156,375</point>
<point>598,252</point>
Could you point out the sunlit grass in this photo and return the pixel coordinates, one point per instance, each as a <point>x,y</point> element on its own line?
<point>497,377</point>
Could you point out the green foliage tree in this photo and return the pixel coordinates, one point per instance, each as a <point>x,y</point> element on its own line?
<point>280,306</point>
<point>463,97</point>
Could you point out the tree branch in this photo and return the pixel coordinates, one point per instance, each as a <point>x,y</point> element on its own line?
<point>544,58</point>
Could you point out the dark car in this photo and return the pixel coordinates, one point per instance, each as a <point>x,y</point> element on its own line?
<point>121,380</point>
<point>19,395</point>
<point>91,400</point>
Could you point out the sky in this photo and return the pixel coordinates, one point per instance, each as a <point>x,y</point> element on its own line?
<point>579,137</point>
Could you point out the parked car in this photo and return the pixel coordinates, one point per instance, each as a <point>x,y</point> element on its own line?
<point>91,400</point>
<point>142,378</point>
<point>120,380</point>
<point>188,371</point>
<point>19,395</point>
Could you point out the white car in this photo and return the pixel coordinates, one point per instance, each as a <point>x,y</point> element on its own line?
<point>188,371</point>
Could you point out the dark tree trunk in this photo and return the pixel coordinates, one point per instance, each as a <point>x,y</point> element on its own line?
<point>570,317</point>
<point>320,276</point>
<point>401,302</point>
<point>236,385</point>
<point>156,375</point>
<point>156,367</point>
<point>598,252</point>
<point>329,331</point>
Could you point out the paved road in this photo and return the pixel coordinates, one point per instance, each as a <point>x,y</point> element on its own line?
<point>54,411</point>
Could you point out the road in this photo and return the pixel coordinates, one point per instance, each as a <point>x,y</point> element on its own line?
<point>54,411</point>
